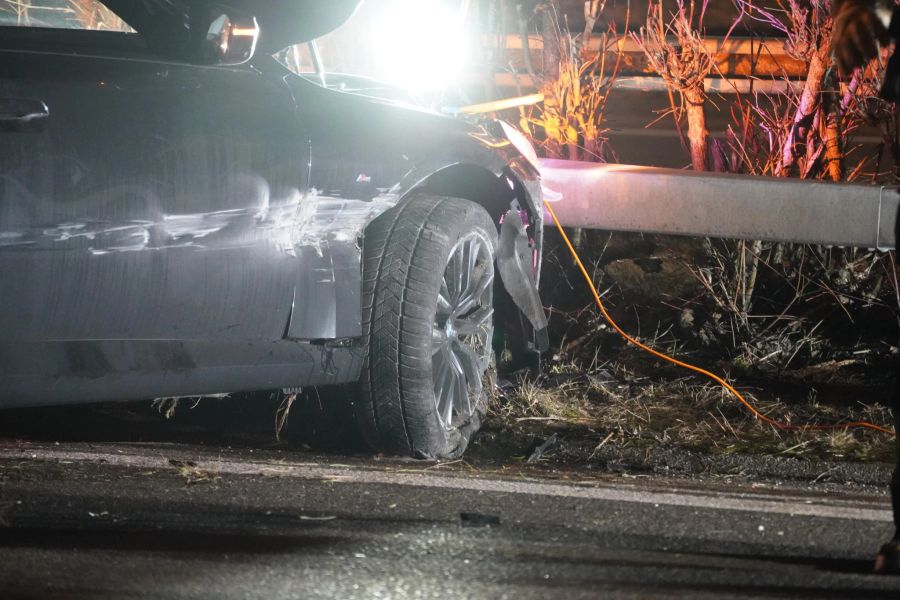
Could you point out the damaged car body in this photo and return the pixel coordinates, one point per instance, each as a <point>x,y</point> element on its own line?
<point>176,222</point>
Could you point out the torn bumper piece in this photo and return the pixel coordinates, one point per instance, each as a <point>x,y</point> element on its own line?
<point>515,261</point>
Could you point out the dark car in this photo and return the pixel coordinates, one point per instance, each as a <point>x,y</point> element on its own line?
<point>181,215</point>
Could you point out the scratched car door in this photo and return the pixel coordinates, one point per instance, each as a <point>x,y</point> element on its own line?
<point>142,199</point>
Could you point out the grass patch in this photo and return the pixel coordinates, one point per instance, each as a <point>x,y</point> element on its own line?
<point>615,404</point>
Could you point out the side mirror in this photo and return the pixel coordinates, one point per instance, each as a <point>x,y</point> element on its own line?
<point>230,41</point>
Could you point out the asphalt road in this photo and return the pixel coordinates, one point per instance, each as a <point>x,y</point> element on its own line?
<point>164,517</point>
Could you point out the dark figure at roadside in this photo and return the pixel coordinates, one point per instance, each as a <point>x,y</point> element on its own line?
<point>861,28</point>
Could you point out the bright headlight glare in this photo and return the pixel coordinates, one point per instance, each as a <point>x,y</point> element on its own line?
<point>419,44</point>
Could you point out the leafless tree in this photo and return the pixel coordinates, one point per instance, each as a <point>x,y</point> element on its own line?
<point>676,51</point>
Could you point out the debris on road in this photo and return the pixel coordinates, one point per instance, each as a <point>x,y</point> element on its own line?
<point>539,452</point>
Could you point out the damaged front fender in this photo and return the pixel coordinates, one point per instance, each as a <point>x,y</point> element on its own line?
<point>516,263</point>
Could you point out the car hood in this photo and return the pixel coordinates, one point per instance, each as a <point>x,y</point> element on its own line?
<point>282,22</point>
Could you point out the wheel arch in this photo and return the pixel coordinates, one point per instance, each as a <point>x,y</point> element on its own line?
<point>520,248</point>
<point>471,182</point>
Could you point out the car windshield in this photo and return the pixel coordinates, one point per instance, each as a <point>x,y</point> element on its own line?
<point>61,14</point>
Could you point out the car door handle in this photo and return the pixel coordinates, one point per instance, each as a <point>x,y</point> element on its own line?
<point>22,113</point>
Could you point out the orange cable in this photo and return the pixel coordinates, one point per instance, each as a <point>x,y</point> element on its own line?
<point>756,413</point>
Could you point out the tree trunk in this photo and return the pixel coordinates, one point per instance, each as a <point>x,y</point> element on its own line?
<point>752,273</point>
<point>592,10</point>
<point>834,156</point>
<point>556,144</point>
<point>810,100</point>
<point>719,157</point>
<point>574,151</point>
<point>698,134</point>
<point>550,35</point>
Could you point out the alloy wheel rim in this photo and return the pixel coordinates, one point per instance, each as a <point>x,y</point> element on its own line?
<point>462,329</point>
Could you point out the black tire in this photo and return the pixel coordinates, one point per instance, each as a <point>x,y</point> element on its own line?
<point>407,253</point>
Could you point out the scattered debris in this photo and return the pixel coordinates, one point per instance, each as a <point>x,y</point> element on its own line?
<point>281,415</point>
<point>599,446</point>
<point>191,472</point>
<point>335,478</point>
<point>166,406</point>
<point>539,451</point>
<point>822,369</point>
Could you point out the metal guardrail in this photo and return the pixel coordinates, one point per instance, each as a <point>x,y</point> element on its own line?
<point>650,83</point>
<point>653,200</point>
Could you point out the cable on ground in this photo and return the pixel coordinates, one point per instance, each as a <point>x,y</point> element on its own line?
<point>721,381</point>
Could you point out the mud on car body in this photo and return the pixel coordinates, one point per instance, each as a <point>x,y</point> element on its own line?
<point>181,219</point>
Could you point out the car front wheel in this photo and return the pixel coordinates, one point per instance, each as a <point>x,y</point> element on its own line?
<point>428,284</point>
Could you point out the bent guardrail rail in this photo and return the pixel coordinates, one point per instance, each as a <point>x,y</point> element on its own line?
<point>670,201</point>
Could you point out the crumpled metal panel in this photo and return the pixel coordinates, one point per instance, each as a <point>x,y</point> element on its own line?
<point>515,261</point>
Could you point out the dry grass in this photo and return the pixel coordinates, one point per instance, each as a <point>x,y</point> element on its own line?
<point>167,407</point>
<point>533,401</point>
<point>284,410</point>
<point>192,473</point>
<point>782,339</point>
<point>616,406</point>
<point>571,122</point>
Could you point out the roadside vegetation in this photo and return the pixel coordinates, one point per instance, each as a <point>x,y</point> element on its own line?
<point>630,404</point>
<point>808,333</point>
